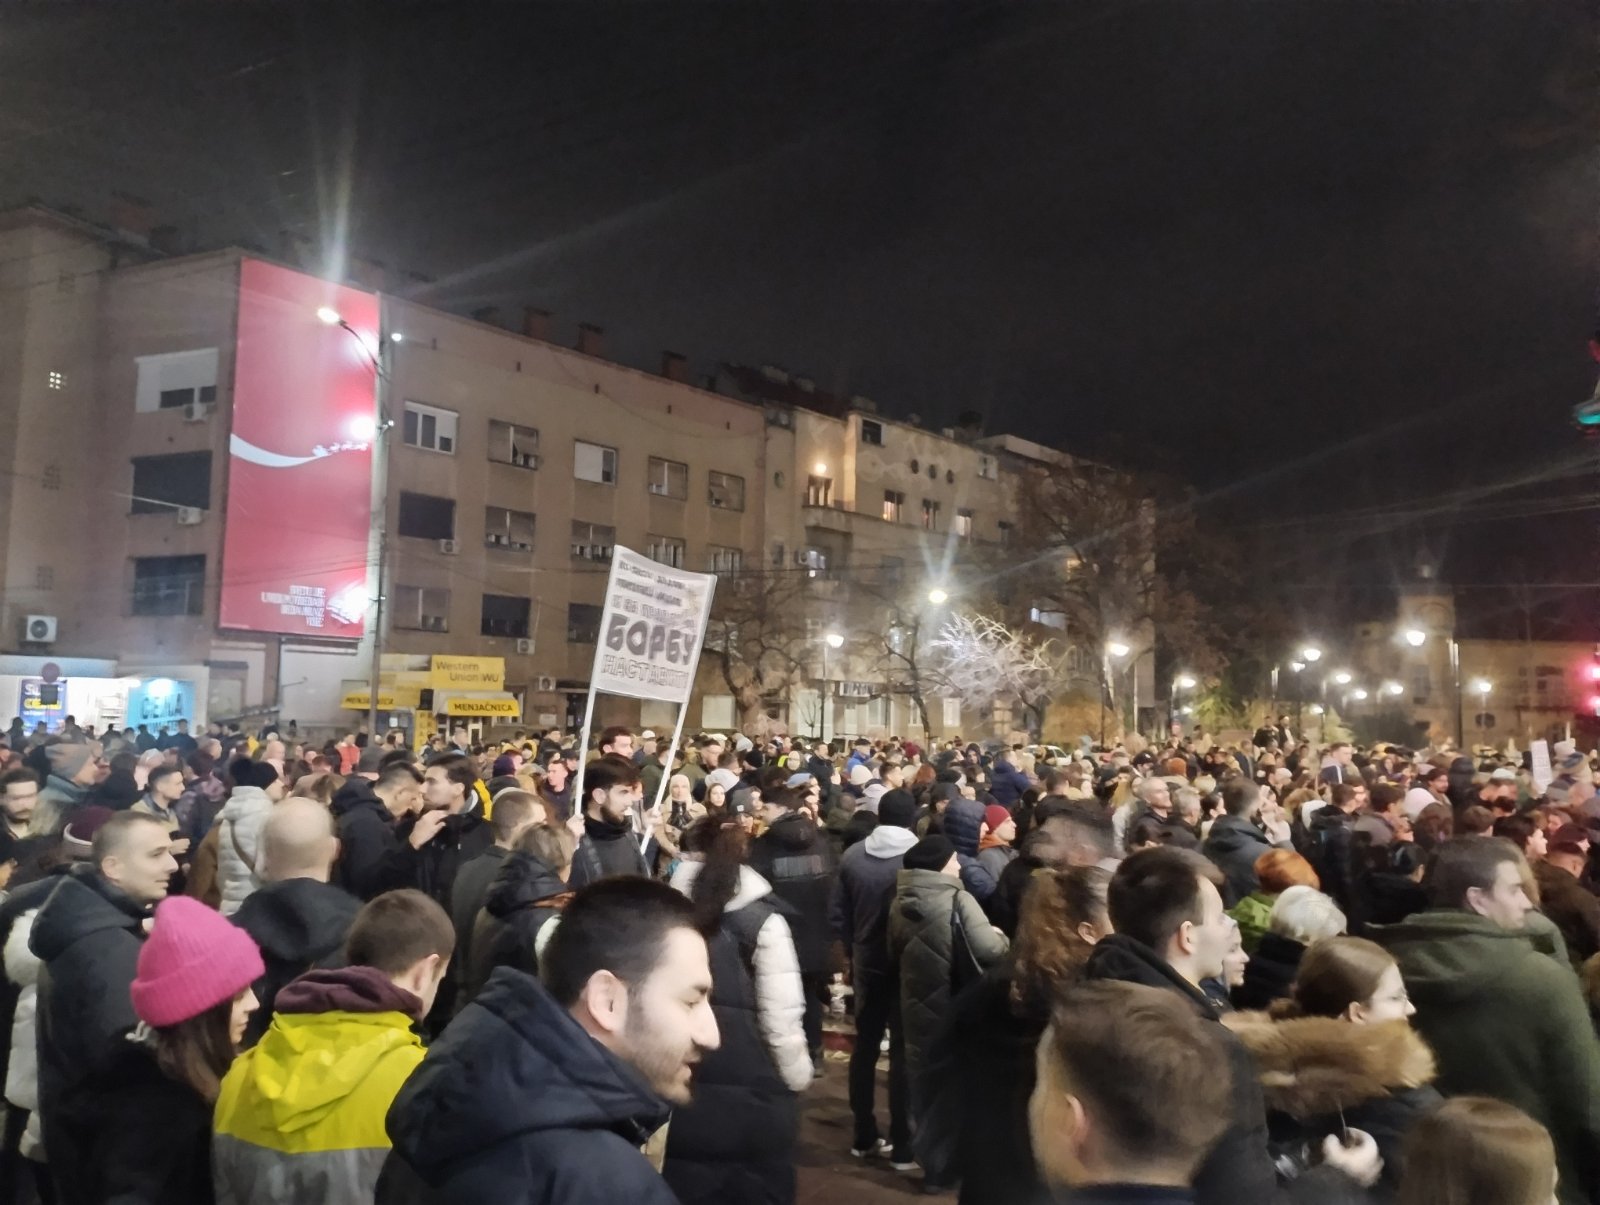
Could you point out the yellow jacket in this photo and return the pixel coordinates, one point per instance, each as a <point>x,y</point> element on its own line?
<point>300,1118</point>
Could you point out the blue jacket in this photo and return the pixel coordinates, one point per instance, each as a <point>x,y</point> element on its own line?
<point>859,910</point>
<point>963,824</point>
<point>516,1104</point>
<point>1007,783</point>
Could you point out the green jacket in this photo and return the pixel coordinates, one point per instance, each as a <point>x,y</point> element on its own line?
<point>921,945</point>
<point>1507,1020</point>
<point>1253,912</point>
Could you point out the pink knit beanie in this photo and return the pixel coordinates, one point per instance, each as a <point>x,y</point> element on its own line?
<point>193,960</point>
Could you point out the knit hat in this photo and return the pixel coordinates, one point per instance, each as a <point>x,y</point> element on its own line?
<point>897,808</point>
<point>194,959</point>
<point>930,853</point>
<point>860,776</point>
<point>740,802</point>
<point>994,816</point>
<point>66,760</point>
<point>77,839</point>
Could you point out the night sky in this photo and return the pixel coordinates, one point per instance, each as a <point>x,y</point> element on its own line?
<point>1309,257</point>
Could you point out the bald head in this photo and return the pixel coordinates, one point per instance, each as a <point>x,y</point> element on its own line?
<point>298,842</point>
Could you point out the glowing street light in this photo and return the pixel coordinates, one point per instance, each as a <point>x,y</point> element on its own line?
<point>1358,695</point>
<point>1483,686</point>
<point>1117,649</point>
<point>1316,709</point>
<point>1393,688</point>
<point>938,596</point>
<point>820,468</point>
<point>1296,666</point>
<point>329,315</point>
<point>1416,637</point>
<point>1343,678</point>
<point>834,640</point>
<point>1311,653</point>
<point>1186,682</point>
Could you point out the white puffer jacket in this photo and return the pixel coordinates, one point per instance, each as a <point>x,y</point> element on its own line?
<point>780,997</point>
<point>22,968</point>
<point>239,824</point>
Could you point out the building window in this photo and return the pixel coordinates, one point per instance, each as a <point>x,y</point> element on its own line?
<point>511,444</point>
<point>964,522</point>
<point>56,380</point>
<point>930,515</point>
<point>508,529</point>
<point>1003,533</point>
<point>421,608</point>
<point>819,491</point>
<point>424,517</point>
<point>665,550</point>
<point>894,505</point>
<point>814,559</point>
<point>668,478</point>
<point>592,541</point>
<point>594,462</point>
<point>871,432</point>
<point>1421,684</point>
<point>725,560</point>
<point>430,428</point>
<point>505,615</point>
<point>583,623</point>
<point>169,585</point>
<point>174,380</point>
<point>163,483</point>
<point>777,553</point>
<point>986,468</point>
<point>725,491</point>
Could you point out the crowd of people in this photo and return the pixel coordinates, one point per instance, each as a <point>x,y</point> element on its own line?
<point>250,970</point>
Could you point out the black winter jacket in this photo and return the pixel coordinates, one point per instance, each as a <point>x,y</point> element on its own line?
<point>734,1143</point>
<point>606,850</point>
<point>1331,850</point>
<point>372,857</point>
<point>1234,844</point>
<point>524,895</point>
<point>299,924</point>
<point>858,914</point>
<point>797,859</point>
<point>517,1105</point>
<point>1270,973</point>
<point>88,935</point>
<point>466,901</point>
<point>464,836</point>
<point>1239,1168</point>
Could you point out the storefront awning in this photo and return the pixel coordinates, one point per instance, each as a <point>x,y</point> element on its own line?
<point>497,704</point>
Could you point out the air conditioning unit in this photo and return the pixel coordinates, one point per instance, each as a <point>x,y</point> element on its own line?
<point>189,516</point>
<point>544,682</point>
<point>524,645</point>
<point>528,460</point>
<point>39,629</point>
<point>657,487</point>
<point>197,412</point>
<point>449,547</point>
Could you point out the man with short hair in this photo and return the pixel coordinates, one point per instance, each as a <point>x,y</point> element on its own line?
<point>19,793</point>
<point>611,1038</point>
<point>297,917</point>
<point>1115,1058</point>
<point>451,829</point>
<point>1571,906</point>
<point>617,741</point>
<point>1377,821</point>
<point>73,770</point>
<point>1503,1017</point>
<point>1331,850</point>
<point>859,914</point>
<point>1153,795</point>
<point>609,846</point>
<point>1337,764</point>
<point>283,1132</point>
<point>647,748</point>
<point>1236,841</point>
<point>1170,931</point>
<point>367,811</point>
<point>88,935</point>
<point>515,812</point>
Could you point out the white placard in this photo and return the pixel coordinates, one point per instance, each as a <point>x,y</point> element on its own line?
<point>1543,773</point>
<point>651,629</point>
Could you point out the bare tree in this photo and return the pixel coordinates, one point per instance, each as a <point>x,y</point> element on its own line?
<point>757,639</point>
<point>983,661</point>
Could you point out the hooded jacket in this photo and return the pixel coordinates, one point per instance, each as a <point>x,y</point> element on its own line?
<point>1239,1167</point>
<point>372,857</point>
<point>87,935</point>
<point>300,1118</point>
<point>239,846</point>
<point>1253,913</point>
<point>963,824</point>
<point>299,924</point>
<point>464,836</point>
<point>734,1142</point>
<point>859,910</point>
<point>516,1104</point>
<point>797,859</point>
<point>1507,1020</point>
<point>525,894</point>
<point>1320,1074</point>
<point>922,945</point>
<point>1007,783</point>
<point>1234,844</point>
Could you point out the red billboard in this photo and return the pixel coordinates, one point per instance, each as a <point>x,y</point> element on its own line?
<point>299,504</point>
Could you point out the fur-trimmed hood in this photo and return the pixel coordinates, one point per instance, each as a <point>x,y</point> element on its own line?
<point>1313,1066</point>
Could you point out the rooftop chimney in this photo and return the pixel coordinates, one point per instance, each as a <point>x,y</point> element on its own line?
<point>591,339</point>
<point>675,366</point>
<point>536,323</point>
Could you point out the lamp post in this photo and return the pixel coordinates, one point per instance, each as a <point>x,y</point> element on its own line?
<point>1483,686</point>
<point>1119,650</point>
<point>1181,682</point>
<point>831,641</point>
<point>382,424</point>
<point>1416,638</point>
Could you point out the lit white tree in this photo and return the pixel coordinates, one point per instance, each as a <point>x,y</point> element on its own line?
<point>983,661</point>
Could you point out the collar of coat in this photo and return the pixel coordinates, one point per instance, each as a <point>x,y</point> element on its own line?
<point>1314,1066</point>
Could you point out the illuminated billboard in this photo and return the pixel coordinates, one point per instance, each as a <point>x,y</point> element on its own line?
<point>299,498</point>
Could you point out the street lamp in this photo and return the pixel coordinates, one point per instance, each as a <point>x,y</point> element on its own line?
<point>938,597</point>
<point>1181,682</point>
<point>1483,686</point>
<point>820,468</point>
<point>1358,695</point>
<point>1119,650</point>
<point>1116,648</point>
<point>1342,678</point>
<point>1416,637</point>
<point>833,640</point>
<point>1393,688</point>
<point>1311,653</point>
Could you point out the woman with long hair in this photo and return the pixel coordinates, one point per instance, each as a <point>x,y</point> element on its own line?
<point>1338,1053</point>
<point>734,1144</point>
<point>1472,1150</point>
<point>192,996</point>
<point>979,1072</point>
